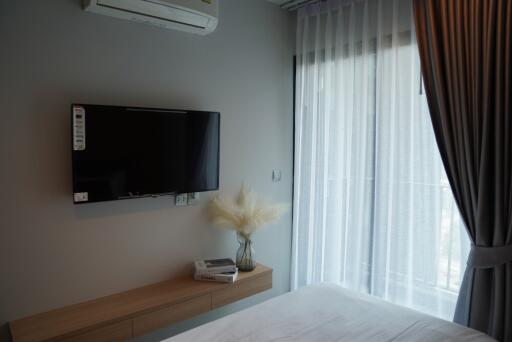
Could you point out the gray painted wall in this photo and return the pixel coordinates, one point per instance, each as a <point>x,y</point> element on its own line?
<point>52,54</point>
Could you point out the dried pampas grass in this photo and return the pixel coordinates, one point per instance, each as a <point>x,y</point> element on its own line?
<point>245,214</point>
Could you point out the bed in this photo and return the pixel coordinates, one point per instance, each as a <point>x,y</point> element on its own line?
<point>326,313</point>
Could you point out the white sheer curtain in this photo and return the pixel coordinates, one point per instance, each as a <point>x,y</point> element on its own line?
<point>373,209</point>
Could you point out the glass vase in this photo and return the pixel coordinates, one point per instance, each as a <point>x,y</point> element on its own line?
<point>245,254</point>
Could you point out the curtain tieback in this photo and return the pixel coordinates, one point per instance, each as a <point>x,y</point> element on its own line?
<point>488,257</point>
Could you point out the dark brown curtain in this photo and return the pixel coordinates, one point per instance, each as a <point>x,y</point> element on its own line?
<point>466,58</point>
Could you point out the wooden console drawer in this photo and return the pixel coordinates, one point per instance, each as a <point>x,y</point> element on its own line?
<point>117,332</point>
<point>241,289</point>
<point>121,316</point>
<point>165,317</point>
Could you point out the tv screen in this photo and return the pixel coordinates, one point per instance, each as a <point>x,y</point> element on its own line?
<point>127,152</point>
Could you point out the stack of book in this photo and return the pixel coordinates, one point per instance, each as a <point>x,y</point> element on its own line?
<point>220,270</point>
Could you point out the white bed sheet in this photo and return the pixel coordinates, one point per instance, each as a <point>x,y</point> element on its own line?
<point>329,313</point>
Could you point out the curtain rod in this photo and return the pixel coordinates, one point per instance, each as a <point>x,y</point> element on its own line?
<point>293,5</point>
<point>323,6</point>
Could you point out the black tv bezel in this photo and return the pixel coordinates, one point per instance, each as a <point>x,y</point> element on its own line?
<point>152,195</point>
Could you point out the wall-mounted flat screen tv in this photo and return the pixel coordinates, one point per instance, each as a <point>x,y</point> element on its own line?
<point>128,152</point>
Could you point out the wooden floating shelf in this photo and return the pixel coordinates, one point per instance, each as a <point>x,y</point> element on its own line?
<point>125,315</point>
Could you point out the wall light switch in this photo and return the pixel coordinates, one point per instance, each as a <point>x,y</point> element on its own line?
<point>181,200</point>
<point>276,175</point>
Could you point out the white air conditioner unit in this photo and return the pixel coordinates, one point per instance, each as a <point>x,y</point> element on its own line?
<point>196,16</point>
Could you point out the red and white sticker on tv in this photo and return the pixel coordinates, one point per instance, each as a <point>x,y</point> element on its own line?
<point>81,196</point>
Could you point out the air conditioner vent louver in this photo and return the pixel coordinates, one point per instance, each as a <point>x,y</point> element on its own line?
<point>195,16</point>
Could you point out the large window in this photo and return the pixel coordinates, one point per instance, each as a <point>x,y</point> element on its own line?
<point>373,209</point>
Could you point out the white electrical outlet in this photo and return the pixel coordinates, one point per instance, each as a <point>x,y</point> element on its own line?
<point>181,200</point>
<point>193,198</point>
<point>276,175</point>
